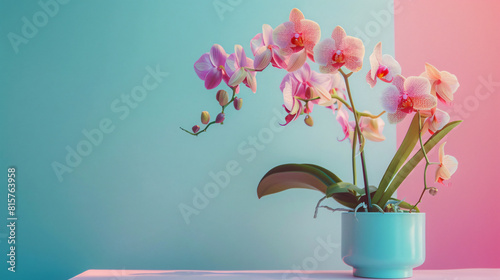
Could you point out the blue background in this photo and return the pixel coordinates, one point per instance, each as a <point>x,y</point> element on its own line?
<point>119,207</point>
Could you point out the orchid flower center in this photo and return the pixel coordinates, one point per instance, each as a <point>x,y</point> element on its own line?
<point>382,71</point>
<point>298,40</point>
<point>405,104</point>
<point>338,56</point>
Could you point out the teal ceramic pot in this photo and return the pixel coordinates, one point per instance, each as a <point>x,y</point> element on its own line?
<point>383,245</point>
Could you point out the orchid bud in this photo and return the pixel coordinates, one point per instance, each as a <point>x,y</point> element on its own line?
<point>220,118</point>
<point>309,120</point>
<point>238,102</point>
<point>196,128</point>
<point>433,191</point>
<point>222,97</point>
<point>205,117</point>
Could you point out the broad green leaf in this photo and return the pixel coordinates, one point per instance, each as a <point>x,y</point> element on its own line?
<point>408,206</point>
<point>289,176</point>
<point>342,187</point>
<point>326,171</point>
<point>412,163</point>
<point>346,199</point>
<point>399,158</point>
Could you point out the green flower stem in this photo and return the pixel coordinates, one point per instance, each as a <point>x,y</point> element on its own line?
<point>354,142</point>
<point>363,165</point>
<point>210,123</point>
<point>427,162</point>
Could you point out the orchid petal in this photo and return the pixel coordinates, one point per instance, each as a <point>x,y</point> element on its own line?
<point>375,59</point>
<point>424,102</point>
<point>203,65</point>
<point>417,85</point>
<point>250,81</point>
<point>338,35</point>
<point>448,86</point>
<point>432,72</point>
<point>278,61</point>
<point>237,77</point>
<point>262,58</point>
<point>267,34</point>
<point>353,47</point>
<point>399,82</point>
<point>231,65</point>
<point>218,55</point>
<point>390,99</point>
<point>295,15</point>
<point>441,152</point>
<point>323,51</point>
<point>303,74</point>
<point>353,63</point>
<point>283,33</point>
<point>311,32</point>
<point>371,81</point>
<point>392,64</point>
<point>256,42</point>
<point>296,60</point>
<point>213,78</point>
<point>329,69</point>
<point>440,119</point>
<point>396,117</point>
<point>241,58</point>
<point>451,164</point>
<point>372,129</point>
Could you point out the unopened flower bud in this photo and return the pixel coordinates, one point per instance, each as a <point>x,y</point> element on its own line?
<point>222,97</point>
<point>238,102</point>
<point>309,120</point>
<point>196,128</point>
<point>205,117</point>
<point>220,118</point>
<point>433,191</point>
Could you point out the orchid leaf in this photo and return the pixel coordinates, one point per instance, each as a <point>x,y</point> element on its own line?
<point>399,158</point>
<point>342,187</point>
<point>346,199</point>
<point>326,171</point>
<point>290,176</point>
<point>412,163</point>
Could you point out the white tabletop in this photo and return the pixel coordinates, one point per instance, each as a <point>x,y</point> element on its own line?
<point>454,274</point>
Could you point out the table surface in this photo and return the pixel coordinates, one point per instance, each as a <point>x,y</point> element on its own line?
<point>453,274</point>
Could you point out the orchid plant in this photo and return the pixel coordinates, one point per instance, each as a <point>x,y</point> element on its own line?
<point>292,46</point>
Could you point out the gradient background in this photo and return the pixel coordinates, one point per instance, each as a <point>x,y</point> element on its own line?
<point>119,208</point>
<point>463,222</point>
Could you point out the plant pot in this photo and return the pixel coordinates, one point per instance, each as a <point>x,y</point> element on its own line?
<point>383,245</point>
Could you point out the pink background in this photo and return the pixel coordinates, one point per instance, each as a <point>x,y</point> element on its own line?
<point>462,37</point>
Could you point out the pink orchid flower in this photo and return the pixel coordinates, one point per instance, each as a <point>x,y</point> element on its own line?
<point>443,83</point>
<point>296,39</point>
<point>339,50</point>
<point>239,69</point>
<point>210,66</point>
<point>370,128</point>
<point>305,84</point>
<point>436,121</point>
<point>447,165</point>
<point>384,67</point>
<point>265,50</point>
<point>406,96</point>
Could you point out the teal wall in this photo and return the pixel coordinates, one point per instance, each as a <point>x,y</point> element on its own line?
<point>118,206</point>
